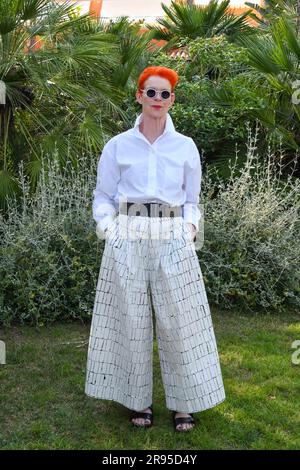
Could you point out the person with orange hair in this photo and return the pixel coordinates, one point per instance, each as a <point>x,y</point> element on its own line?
<point>146,208</point>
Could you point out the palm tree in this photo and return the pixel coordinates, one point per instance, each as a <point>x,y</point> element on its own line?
<point>271,10</point>
<point>186,20</point>
<point>132,43</point>
<point>275,58</point>
<point>63,85</point>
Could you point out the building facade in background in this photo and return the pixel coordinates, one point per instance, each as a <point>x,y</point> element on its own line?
<point>138,9</point>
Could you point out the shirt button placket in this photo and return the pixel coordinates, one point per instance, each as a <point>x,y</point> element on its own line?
<point>151,172</point>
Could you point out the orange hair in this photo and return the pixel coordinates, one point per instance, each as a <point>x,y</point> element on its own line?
<point>164,72</point>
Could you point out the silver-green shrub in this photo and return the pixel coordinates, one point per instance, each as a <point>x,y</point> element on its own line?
<point>50,255</point>
<point>251,251</point>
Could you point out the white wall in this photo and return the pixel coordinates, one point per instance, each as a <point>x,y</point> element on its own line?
<point>145,8</point>
<point>148,9</point>
<point>133,8</point>
<point>233,3</point>
<point>84,6</point>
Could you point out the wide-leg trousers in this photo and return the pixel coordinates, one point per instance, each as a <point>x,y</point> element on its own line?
<point>143,256</point>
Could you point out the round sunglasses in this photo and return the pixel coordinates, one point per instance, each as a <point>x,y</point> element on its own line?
<point>152,93</point>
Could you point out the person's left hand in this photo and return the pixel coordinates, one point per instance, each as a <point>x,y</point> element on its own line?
<point>193,230</point>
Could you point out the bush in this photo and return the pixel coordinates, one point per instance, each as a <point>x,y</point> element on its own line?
<point>50,254</point>
<point>251,250</point>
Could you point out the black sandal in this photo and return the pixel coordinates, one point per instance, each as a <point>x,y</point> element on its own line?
<point>144,415</point>
<point>186,419</point>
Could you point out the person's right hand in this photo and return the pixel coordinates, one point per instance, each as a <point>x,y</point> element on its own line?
<point>103,234</point>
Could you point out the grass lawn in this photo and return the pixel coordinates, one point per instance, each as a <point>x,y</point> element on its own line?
<point>43,405</point>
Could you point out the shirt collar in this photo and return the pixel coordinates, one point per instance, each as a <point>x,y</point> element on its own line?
<point>169,127</point>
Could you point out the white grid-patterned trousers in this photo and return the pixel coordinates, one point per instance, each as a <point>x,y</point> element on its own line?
<point>143,256</point>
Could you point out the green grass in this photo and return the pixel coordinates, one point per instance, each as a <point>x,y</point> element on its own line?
<point>43,405</point>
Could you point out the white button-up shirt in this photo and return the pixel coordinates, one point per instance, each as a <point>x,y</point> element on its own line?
<point>134,170</point>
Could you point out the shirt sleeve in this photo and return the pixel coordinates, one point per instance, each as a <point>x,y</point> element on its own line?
<point>192,185</point>
<point>108,176</point>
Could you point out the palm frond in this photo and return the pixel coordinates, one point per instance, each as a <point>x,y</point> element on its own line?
<point>8,187</point>
<point>194,21</point>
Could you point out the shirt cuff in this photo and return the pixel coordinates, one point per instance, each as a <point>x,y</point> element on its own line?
<point>192,215</point>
